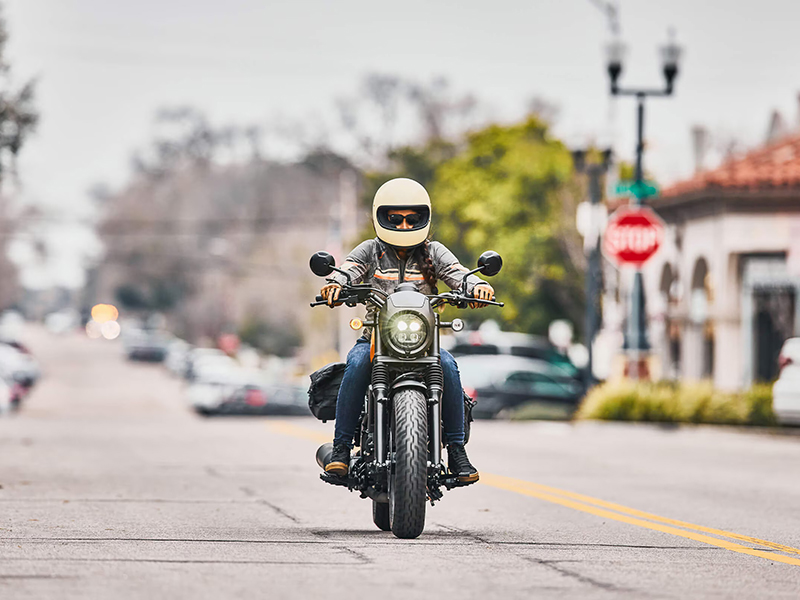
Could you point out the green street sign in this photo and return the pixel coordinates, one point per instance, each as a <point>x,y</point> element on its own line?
<point>646,189</point>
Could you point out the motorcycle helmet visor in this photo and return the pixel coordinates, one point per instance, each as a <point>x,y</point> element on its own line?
<point>419,219</point>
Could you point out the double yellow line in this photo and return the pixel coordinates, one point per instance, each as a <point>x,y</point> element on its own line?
<point>610,510</point>
<point>631,516</point>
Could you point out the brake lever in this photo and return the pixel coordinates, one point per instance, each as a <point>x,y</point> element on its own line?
<point>487,302</point>
<point>349,301</point>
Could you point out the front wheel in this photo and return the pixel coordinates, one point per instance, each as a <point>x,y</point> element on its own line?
<point>408,482</point>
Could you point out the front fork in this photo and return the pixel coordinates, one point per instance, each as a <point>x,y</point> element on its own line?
<point>434,378</point>
<point>435,381</point>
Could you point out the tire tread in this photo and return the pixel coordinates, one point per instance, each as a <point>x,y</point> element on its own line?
<point>409,490</point>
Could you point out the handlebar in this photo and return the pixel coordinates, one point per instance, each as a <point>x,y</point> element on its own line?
<point>460,300</point>
<point>352,295</point>
<point>348,300</point>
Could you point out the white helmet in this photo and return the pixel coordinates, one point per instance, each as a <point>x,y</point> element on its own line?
<point>401,194</point>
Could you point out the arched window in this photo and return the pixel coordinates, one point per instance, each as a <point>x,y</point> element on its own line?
<point>700,301</point>
<point>670,294</point>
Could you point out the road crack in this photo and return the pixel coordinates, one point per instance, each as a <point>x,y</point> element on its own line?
<point>550,564</point>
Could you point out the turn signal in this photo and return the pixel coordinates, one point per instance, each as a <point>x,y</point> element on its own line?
<point>356,324</point>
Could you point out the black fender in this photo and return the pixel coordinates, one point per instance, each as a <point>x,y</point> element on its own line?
<point>406,383</point>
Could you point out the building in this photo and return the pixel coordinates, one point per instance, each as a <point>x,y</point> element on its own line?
<point>232,244</point>
<point>722,293</point>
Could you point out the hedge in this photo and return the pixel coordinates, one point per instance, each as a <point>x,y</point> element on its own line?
<point>678,403</point>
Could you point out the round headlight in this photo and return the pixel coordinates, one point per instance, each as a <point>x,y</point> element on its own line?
<point>407,331</point>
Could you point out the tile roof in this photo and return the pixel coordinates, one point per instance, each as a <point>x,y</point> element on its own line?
<point>776,165</point>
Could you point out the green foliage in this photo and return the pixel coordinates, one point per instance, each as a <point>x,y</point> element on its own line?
<point>678,403</point>
<point>541,411</point>
<point>156,294</point>
<point>510,189</point>
<point>626,171</point>
<point>131,298</point>
<point>280,339</point>
<point>504,191</point>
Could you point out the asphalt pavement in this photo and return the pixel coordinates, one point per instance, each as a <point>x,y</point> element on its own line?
<point>112,488</point>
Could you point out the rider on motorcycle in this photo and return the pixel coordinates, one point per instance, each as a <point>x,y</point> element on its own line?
<point>401,216</point>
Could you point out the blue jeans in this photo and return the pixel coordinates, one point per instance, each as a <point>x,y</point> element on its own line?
<point>356,379</point>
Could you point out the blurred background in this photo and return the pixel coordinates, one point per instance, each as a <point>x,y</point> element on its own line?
<point>167,168</point>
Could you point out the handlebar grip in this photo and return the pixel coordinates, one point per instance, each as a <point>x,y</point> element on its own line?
<point>491,302</point>
<point>319,299</point>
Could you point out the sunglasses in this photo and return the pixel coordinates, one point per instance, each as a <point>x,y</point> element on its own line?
<point>413,219</point>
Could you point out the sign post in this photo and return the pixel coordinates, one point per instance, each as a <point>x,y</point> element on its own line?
<point>638,189</point>
<point>633,235</point>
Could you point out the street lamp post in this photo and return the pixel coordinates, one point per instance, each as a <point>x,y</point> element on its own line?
<point>636,342</point>
<point>595,170</point>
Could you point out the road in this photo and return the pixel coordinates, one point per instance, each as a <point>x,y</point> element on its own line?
<point>111,488</point>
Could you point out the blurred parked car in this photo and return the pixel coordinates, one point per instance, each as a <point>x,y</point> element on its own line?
<point>6,398</point>
<point>145,345</point>
<point>500,382</point>
<point>63,321</point>
<point>178,356</point>
<point>199,359</point>
<point>19,363</point>
<point>514,344</point>
<point>786,391</point>
<point>219,389</point>
<point>19,372</point>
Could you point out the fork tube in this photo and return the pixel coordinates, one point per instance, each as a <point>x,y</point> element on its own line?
<point>435,402</point>
<point>380,431</point>
<point>380,385</point>
<point>436,437</point>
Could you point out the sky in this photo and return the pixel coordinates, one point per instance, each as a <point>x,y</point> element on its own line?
<point>105,66</point>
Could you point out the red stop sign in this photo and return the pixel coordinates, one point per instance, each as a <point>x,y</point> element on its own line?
<point>633,234</point>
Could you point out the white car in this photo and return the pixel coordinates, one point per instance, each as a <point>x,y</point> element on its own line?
<point>5,397</point>
<point>63,321</point>
<point>217,384</point>
<point>197,356</point>
<point>18,364</point>
<point>786,391</point>
<point>177,356</point>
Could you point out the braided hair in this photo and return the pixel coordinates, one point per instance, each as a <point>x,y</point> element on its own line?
<point>426,265</point>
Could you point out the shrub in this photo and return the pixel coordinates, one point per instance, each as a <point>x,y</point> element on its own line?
<point>667,402</point>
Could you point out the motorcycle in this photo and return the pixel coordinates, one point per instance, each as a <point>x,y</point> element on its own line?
<point>399,462</point>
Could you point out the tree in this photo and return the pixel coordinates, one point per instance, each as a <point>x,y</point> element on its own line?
<point>506,191</point>
<point>390,113</point>
<point>18,119</point>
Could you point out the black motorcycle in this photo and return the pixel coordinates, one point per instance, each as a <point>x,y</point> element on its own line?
<point>399,462</point>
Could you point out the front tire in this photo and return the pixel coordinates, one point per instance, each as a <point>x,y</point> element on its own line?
<point>408,488</point>
<point>380,515</point>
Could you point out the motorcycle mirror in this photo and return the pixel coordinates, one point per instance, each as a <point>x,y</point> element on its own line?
<point>490,263</point>
<point>322,263</point>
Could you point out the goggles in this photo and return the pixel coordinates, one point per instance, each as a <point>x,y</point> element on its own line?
<point>397,219</point>
<point>418,219</point>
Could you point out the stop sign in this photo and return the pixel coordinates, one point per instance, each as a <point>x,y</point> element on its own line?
<point>633,235</point>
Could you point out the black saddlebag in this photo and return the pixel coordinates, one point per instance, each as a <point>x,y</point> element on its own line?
<point>469,404</point>
<point>324,389</point>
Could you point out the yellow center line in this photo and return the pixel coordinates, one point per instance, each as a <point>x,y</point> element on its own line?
<point>526,488</point>
<point>496,480</point>
<point>299,432</point>
<point>601,508</point>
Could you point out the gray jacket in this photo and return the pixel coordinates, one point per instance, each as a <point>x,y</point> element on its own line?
<point>378,264</point>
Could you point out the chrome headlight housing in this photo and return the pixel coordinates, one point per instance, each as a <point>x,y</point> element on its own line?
<point>407,332</point>
<point>407,324</point>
